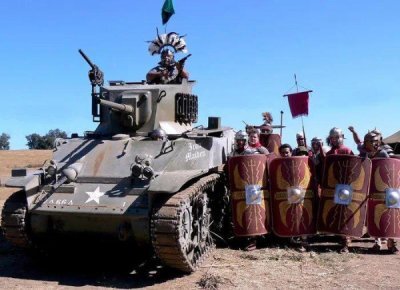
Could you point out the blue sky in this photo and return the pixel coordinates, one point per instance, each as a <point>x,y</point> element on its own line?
<point>244,56</point>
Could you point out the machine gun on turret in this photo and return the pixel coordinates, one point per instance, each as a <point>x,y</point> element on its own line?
<point>96,78</point>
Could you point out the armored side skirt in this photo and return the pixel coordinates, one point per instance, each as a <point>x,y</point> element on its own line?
<point>250,195</point>
<point>343,202</point>
<point>383,218</point>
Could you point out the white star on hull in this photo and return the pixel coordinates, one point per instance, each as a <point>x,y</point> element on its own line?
<point>95,195</point>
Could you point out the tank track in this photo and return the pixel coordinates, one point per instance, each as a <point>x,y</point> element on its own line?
<point>180,227</point>
<point>221,225</point>
<point>13,220</point>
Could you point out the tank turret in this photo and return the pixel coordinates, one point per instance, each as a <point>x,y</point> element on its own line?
<point>139,108</point>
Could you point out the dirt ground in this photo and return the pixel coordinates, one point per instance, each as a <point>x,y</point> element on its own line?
<point>272,266</point>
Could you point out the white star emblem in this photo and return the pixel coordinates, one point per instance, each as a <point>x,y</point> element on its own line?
<point>94,195</point>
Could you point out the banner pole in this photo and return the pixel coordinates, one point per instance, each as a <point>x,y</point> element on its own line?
<point>295,81</point>
<point>304,132</point>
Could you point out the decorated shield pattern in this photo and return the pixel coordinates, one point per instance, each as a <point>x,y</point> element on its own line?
<point>343,202</point>
<point>383,213</point>
<point>293,196</point>
<point>250,195</point>
<point>271,142</point>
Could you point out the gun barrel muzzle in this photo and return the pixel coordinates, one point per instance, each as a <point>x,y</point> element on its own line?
<point>116,106</point>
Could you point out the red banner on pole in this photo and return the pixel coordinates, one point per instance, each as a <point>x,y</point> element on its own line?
<point>298,103</point>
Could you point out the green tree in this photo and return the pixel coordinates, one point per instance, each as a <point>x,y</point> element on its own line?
<point>4,141</point>
<point>36,141</point>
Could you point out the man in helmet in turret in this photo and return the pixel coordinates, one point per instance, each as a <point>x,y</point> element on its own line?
<point>168,70</point>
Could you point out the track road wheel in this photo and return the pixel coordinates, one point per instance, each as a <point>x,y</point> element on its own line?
<point>14,220</point>
<point>181,227</point>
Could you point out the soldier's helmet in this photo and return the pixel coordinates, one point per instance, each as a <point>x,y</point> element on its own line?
<point>299,135</point>
<point>337,133</point>
<point>302,151</point>
<point>377,132</point>
<point>240,135</point>
<point>158,134</point>
<point>316,140</point>
<point>167,52</point>
<point>300,139</point>
<point>316,143</point>
<point>267,117</point>
<point>371,135</point>
<point>372,141</point>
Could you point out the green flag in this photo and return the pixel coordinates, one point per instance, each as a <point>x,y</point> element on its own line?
<point>167,11</point>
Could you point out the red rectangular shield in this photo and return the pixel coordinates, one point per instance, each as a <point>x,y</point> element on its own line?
<point>249,194</point>
<point>383,214</point>
<point>343,202</point>
<point>271,142</point>
<point>293,196</point>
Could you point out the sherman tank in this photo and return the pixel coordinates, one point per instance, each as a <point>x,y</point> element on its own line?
<point>118,182</point>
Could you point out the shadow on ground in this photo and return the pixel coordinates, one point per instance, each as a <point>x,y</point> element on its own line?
<point>100,265</point>
<point>89,266</point>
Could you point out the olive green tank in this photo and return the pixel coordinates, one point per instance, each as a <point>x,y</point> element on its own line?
<point>117,181</point>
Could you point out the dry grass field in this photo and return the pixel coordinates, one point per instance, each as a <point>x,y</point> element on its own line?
<point>274,265</point>
<point>10,159</point>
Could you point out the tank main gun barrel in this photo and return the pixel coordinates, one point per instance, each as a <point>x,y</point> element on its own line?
<point>116,106</point>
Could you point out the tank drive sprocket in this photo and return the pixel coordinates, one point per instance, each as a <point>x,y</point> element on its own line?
<point>14,220</point>
<point>180,228</point>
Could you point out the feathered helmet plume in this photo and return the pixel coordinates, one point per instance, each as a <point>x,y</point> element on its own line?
<point>267,116</point>
<point>172,39</point>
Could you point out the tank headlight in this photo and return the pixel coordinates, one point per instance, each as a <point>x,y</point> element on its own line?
<point>148,172</point>
<point>51,170</point>
<point>137,170</point>
<point>72,171</point>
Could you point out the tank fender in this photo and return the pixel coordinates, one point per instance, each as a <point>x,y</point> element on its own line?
<point>28,182</point>
<point>170,182</point>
